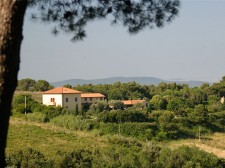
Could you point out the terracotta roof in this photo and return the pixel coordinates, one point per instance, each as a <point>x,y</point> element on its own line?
<point>83,95</point>
<point>61,90</point>
<point>132,102</point>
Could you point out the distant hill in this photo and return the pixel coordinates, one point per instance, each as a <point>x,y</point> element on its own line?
<point>140,80</point>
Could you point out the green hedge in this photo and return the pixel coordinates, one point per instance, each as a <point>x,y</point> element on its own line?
<point>71,122</point>
<point>144,131</point>
<point>117,116</point>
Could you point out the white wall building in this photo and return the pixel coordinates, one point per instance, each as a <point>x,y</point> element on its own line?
<point>64,97</point>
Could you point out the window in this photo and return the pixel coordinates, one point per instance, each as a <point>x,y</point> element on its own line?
<point>75,99</point>
<point>67,99</point>
<point>67,107</point>
<point>100,98</point>
<point>85,99</point>
<point>90,98</point>
<point>52,100</point>
<point>76,108</point>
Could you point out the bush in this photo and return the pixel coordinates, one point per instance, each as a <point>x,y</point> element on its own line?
<point>28,158</point>
<point>143,131</point>
<point>37,117</point>
<point>186,157</point>
<point>118,116</point>
<point>52,112</point>
<point>19,103</point>
<point>124,142</point>
<point>79,159</point>
<point>71,122</point>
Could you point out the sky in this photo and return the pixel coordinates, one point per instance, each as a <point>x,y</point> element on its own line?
<point>192,47</point>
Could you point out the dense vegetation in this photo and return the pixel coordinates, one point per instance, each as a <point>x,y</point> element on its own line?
<point>174,112</point>
<point>32,85</point>
<point>41,145</point>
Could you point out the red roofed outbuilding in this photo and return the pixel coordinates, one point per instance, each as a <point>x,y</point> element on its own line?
<point>91,98</point>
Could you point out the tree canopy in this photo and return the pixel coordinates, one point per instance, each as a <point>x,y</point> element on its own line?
<point>71,16</point>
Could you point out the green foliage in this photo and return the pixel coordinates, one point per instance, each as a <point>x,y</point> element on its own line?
<point>188,157</point>
<point>216,107</point>
<point>71,122</point>
<point>158,102</point>
<point>175,104</point>
<point>26,84</point>
<point>116,104</point>
<point>118,116</point>
<point>123,141</point>
<point>32,85</point>
<point>142,131</point>
<point>135,15</point>
<point>167,125</point>
<point>99,106</point>
<point>84,149</point>
<point>52,112</point>
<point>199,115</point>
<point>68,86</point>
<point>42,85</point>
<point>28,158</point>
<point>78,158</point>
<point>22,100</point>
<point>182,109</point>
<point>37,117</point>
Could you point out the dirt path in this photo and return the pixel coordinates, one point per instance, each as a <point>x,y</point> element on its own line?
<point>216,151</point>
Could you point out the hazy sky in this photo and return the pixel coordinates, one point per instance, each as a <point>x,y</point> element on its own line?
<point>191,47</point>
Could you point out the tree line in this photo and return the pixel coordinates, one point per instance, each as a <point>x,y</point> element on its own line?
<point>28,84</point>
<point>174,111</point>
<point>126,154</point>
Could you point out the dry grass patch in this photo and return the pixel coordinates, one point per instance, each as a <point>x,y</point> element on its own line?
<point>212,144</point>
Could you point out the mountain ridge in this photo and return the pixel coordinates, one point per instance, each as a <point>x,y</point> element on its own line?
<point>140,80</point>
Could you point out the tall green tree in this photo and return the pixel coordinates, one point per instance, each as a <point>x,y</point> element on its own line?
<point>158,102</point>
<point>200,115</point>
<point>70,16</point>
<point>26,84</point>
<point>42,85</point>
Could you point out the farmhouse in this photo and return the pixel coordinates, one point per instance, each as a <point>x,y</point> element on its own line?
<point>130,103</point>
<point>91,98</point>
<point>69,98</point>
<point>64,97</point>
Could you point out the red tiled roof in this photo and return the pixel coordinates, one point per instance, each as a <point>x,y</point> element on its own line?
<point>132,102</point>
<point>83,95</point>
<point>61,90</point>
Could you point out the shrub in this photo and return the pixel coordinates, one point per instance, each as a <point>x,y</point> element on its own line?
<point>118,116</point>
<point>143,131</point>
<point>79,159</point>
<point>37,117</point>
<point>124,142</point>
<point>52,112</point>
<point>186,157</point>
<point>71,122</point>
<point>28,158</point>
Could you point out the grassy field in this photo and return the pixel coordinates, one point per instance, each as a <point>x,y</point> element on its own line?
<point>48,139</point>
<point>52,141</point>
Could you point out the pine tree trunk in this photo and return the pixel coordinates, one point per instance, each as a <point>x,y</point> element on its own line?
<point>11,23</point>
